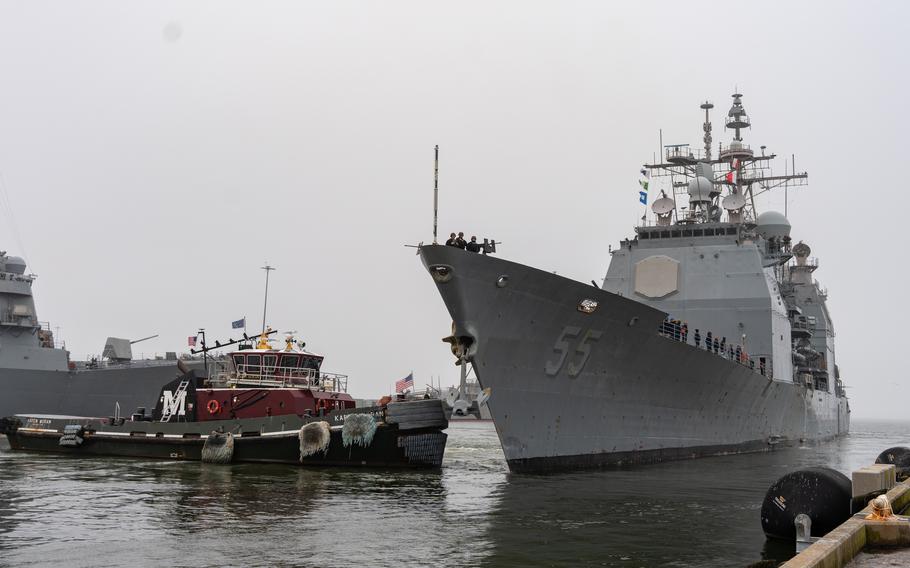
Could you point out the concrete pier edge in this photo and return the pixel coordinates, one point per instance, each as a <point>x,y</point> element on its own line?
<point>840,546</point>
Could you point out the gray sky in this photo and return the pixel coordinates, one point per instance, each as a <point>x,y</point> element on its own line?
<point>156,154</point>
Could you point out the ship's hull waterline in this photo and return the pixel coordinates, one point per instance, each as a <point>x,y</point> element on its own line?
<point>276,440</point>
<point>573,389</point>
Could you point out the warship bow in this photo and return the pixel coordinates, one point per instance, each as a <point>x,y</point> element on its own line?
<point>709,335</point>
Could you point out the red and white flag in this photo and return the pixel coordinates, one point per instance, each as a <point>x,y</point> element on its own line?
<point>405,383</point>
<point>191,341</point>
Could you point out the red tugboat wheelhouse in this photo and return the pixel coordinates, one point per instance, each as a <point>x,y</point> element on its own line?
<point>272,405</point>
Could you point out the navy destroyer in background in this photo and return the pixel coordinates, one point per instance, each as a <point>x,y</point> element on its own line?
<point>708,336</point>
<point>37,375</point>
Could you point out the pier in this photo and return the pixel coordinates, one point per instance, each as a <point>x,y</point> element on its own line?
<point>863,543</point>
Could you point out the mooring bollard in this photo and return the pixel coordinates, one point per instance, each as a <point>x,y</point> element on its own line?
<point>804,538</point>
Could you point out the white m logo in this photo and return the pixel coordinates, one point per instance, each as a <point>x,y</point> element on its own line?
<point>174,405</point>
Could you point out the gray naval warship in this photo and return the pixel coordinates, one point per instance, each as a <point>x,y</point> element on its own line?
<point>582,375</point>
<point>37,375</point>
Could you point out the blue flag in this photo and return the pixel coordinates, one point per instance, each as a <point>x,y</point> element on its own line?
<point>241,323</point>
<point>643,197</point>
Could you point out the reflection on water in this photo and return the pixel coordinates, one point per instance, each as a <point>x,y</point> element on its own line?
<point>474,513</point>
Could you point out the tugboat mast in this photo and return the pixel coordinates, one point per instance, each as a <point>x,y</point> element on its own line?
<point>265,303</point>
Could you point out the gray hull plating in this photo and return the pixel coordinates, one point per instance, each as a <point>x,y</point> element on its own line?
<point>82,393</point>
<point>575,389</point>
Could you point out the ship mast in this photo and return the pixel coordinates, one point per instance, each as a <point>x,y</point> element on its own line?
<point>707,106</point>
<point>713,185</point>
<point>265,301</point>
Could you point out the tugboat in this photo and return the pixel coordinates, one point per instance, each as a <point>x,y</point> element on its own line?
<point>271,405</point>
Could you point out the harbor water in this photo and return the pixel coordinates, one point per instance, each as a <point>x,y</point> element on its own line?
<point>63,511</point>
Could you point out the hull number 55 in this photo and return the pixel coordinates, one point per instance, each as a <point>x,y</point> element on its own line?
<point>583,338</point>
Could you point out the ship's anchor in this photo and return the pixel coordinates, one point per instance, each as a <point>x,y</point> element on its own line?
<point>459,346</point>
<point>459,402</point>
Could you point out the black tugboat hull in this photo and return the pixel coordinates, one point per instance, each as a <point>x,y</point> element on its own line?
<point>401,444</point>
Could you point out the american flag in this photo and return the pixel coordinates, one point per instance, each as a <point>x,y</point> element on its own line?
<point>405,383</point>
<point>191,341</point>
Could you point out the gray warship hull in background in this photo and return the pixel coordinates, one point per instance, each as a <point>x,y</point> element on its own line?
<point>36,376</point>
<point>581,376</point>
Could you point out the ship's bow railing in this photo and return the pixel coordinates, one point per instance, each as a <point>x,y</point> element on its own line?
<point>283,377</point>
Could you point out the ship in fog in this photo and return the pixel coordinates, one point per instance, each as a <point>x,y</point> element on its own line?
<point>709,335</point>
<point>37,374</point>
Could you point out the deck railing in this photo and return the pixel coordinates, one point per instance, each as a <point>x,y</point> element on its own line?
<point>258,375</point>
<point>675,332</point>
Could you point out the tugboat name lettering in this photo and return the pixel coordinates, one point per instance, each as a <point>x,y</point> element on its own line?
<point>581,353</point>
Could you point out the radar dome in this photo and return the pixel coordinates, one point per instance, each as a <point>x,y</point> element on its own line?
<point>15,264</point>
<point>801,250</point>
<point>772,224</point>
<point>704,169</point>
<point>700,189</point>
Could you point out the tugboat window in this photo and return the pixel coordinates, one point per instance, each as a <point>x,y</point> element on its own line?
<point>252,364</point>
<point>270,362</point>
<point>290,361</point>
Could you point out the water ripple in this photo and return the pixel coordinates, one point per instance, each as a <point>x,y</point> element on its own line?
<point>473,513</point>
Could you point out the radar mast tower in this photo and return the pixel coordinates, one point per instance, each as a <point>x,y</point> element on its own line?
<point>726,180</point>
<point>707,106</point>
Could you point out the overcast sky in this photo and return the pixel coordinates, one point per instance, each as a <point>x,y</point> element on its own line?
<point>156,154</point>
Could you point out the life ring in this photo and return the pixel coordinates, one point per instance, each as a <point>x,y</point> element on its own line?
<point>213,406</point>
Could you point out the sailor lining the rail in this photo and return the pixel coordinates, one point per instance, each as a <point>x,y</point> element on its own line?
<point>458,242</point>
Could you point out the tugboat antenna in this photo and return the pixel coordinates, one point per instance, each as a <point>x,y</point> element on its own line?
<point>265,302</point>
<point>228,343</point>
<point>435,194</point>
<point>205,352</point>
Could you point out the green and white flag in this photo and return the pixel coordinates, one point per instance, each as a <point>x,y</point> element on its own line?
<point>645,179</point>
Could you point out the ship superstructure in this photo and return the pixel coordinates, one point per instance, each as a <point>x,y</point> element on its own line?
<point>37,374</point>
<point>25,343</point>
<point>709,334</point>
<point>714,263</point>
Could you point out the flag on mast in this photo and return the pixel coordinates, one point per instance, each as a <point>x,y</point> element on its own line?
<point>644,181</point>
<point>191,341</point>
<point>734,168</point>
<point>239,324</point>
<point>405,383</point>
